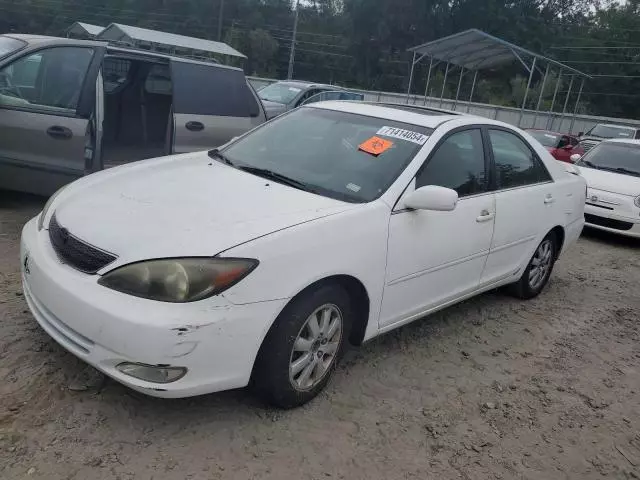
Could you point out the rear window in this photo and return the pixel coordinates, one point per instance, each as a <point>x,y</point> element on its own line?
<point>9,45</point>
<point>209,90</point>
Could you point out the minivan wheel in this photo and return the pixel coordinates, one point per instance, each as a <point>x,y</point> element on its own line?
<point>300,352</point>
<point>537,273</point>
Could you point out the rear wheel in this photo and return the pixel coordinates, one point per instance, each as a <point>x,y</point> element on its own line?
<point>537,273</point>
<point>300,352</point>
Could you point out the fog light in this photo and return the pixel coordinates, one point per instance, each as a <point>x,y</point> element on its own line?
<point>151,373</point>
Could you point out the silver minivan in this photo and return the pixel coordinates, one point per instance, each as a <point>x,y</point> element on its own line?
<point>72,107</point>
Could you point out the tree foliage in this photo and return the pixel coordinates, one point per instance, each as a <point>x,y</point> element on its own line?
<point>363,43</point>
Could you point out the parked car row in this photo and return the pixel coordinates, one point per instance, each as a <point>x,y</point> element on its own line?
<point>72,107</point>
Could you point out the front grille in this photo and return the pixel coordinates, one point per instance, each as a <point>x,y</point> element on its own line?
<point>76,253</point>
<point>588,145</point>
<point>607,222</point>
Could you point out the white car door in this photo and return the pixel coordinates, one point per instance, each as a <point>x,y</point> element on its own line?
<point>526,202</point>
<point>435,257</point>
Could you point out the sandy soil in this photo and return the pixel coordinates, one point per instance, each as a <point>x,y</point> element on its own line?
<point>493,388</point>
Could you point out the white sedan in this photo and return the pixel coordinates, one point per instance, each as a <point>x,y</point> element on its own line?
<point>257,263</point>
<point>612,172</point>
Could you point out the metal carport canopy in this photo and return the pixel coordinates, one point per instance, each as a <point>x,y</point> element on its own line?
<point>474,50</point>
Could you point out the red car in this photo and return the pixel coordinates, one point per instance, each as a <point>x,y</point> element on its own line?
<point>560,145</point>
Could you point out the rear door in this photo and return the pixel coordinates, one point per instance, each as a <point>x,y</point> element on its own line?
<point>211,105</point>
<point>46,99</point>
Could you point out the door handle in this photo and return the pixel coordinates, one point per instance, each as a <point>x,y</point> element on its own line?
<point>549,199</point>
<point>62,133</point>
<point>194,126</point>
<point>485,216</point>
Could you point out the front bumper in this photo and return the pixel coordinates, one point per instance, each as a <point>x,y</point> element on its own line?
<point>214,339</point>
<point>607,220</point>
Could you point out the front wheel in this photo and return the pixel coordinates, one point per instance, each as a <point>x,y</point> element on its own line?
<point>537,273</point>
<point>300,352</point>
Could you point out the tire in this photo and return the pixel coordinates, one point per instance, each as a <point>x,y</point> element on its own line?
<point>292,351</point>
<point>530,285</point>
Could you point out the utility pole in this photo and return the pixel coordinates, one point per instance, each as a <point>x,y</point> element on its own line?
<point>292,52</point>
<point>220,20</point>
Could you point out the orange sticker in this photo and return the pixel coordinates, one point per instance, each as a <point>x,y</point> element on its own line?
<point>375,145</point>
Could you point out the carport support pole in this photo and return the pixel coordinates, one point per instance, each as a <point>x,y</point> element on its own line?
<point>455,103</point>
<point>544,82</point>
<point>575,110</point>
<point>526,92</point>
<point>426,89</point>
<point>566,102</point>
<point>413,64</point>
<point>553,101</point>
<point>473,86</point>
<point>444,82</point>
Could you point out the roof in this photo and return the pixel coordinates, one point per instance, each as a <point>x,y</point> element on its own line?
<point>117,32</point>
<point>613,125</point>
<point>628,141</point>
<point>388,112</point>
<point>551,132</point>
<point>475,50</point>
<point>305,84</point>
<point>87,28</point>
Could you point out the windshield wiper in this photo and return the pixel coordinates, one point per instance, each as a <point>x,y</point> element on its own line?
<point>589,164</point>
<point>215,153</point>
<point>623,170</point>
<point>277,177</point>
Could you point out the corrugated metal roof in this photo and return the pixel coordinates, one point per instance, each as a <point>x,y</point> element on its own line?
<point>476,50</point>
<point>89,29</point>
<point>117,32</point>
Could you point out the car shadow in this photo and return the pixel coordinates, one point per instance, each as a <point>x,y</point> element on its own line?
<point>610,239</point>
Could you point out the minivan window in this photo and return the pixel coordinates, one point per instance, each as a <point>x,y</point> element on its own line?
<point>9,45</point>
<point>201,89</point>
<point>340,155</point>
<point>51,79</point>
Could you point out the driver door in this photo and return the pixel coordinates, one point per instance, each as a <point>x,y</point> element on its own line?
<point>437,257</point>
<point>47,97</point>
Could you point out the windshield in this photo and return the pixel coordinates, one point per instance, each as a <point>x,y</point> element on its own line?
<point>622,158</point>
<point>327,151</point>
<point>545,138</point>
<point>610,131</point>
<point>279,92</point>
<point>9,45</point>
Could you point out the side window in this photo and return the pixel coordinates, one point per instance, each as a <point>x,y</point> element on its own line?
<point>201,89</point>
<point>158,80</point>
<point>516,163</point>
<point>115,73</point>
<point>308,94</point>
<point>637,134</point>
<point>51,79</point>
<point>458,163</point>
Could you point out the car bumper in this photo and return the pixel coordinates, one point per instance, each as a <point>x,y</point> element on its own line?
<point>599,218</point>
<point>215,340</point>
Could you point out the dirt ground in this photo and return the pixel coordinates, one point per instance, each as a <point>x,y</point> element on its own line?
<point>493,388</point>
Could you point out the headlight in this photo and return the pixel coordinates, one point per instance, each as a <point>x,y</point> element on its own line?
<point>179,279</point>
<point>637,201</point>
<point>43,214</point>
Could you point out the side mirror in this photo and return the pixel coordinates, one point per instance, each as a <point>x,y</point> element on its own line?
<point>432,197</point>
<point>575,157</point>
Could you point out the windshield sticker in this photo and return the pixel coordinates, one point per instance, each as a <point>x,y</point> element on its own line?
<point>294,89</point>
<point>375,145</point>
<point>353,187</point>
<point>407,135</point>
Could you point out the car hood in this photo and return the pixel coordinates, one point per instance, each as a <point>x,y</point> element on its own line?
<point>187,205</point>
<point>273,109</point>
<point>610,181</point>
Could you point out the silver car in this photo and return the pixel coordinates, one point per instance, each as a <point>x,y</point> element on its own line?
<point>280,97</point>
<point>72,107</point>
